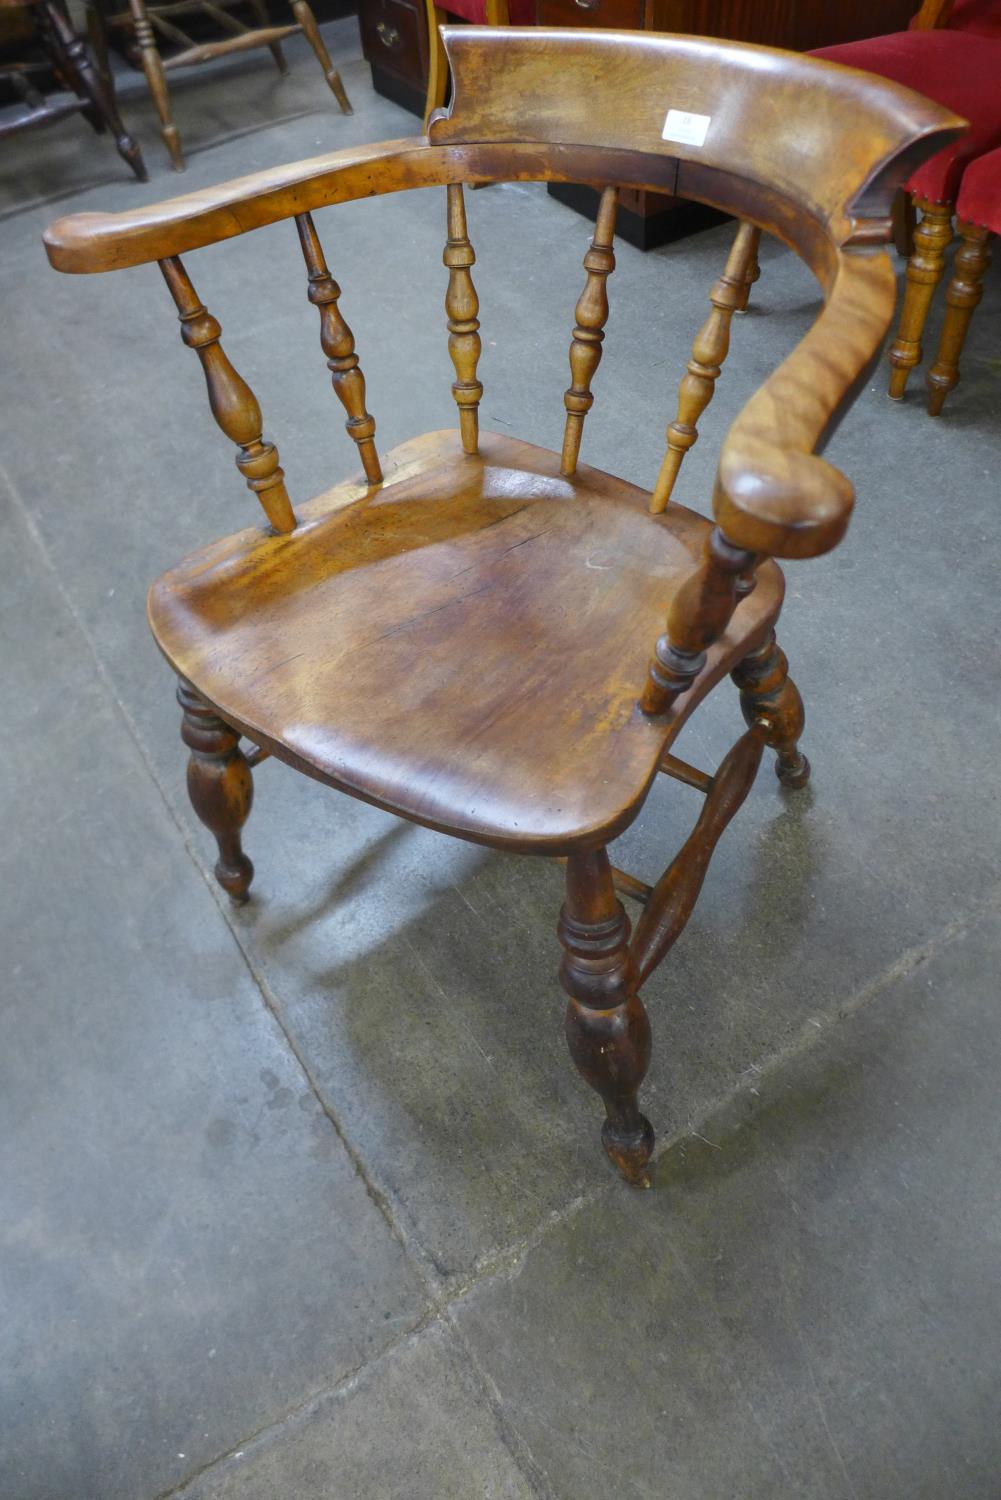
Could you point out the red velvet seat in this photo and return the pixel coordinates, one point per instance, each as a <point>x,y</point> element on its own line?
<point>956,69</point>
<point>521,12</point>
<point>980,194</point>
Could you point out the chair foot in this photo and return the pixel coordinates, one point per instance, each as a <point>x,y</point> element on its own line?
<point>631,1154</point>
<point>767,690</point>
<point>220,787</point>
<point>607,1028</point>
<point>792,769</point>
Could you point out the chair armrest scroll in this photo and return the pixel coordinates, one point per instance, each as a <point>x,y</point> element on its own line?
<point>773,493</point>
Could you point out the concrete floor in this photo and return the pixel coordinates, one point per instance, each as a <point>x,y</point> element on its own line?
<point>305,1200</point>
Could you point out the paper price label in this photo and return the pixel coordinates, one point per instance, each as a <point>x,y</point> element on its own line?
<point>686,128</point>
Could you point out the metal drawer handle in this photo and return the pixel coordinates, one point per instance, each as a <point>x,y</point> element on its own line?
<point>587,4</point>
<point>390,37</point>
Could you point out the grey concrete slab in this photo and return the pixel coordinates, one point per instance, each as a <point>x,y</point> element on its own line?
<point>412,1424</point>
<point>807,1303</point>
<point>433,1029</point>
<point>187,1250</point>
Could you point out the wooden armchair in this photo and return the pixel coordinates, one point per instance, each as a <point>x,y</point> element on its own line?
<point>431,635</point>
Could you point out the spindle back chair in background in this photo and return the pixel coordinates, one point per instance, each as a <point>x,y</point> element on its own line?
<point>152,25</point>
<point>431,635</point>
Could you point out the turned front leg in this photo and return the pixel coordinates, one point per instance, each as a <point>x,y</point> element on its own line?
<point>220,786</point>
<point>607,1028</point>
<point>767,691</point>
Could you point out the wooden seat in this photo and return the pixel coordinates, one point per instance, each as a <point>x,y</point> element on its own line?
<point>484,636</point>
<point>513,606</point>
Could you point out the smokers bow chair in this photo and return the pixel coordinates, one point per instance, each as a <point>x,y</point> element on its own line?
<point>429,635</point>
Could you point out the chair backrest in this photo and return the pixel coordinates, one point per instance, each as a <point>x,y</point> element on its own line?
<point>808,150</point>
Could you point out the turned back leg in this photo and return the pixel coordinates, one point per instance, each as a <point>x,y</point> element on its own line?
<point>303,13</point>
<point>220,786</point>
<point>156,81</point>
<point>964,291</point>
<point>924,272</point>
<point>767,691</point>
<point>607,1028</point>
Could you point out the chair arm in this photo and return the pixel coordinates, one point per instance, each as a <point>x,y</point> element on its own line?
<point>108,242</point>
<point>774,494</point>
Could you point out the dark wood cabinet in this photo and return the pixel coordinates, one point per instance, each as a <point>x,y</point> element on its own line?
<point>650,219</point>
<point>394,41</point>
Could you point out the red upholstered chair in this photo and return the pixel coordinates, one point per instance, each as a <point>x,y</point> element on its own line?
<point>962,71</point>
<point>958,69</point>
<point>978,17</point>
<point>978,213</point>
<point>477,13</point>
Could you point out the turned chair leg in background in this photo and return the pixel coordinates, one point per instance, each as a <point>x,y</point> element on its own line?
<point>607,1028</point>
<point>92,84</point>
<point>767,690</point>
<point>260,9</point>
<point>924,272</point>
<point>304,15</point>
<point>220,786</point>
<point>964,291</point>
<point>156,80</point>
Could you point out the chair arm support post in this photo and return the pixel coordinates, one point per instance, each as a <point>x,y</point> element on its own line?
<point>699,614</point>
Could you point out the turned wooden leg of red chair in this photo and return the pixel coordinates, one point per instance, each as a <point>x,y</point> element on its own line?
<point>964,291</point>
<point>932,238</point>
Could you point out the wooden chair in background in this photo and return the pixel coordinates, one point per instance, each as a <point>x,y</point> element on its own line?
<point>93,89</point>
<point>961,69</point>
<point>148,22</point>
<point>429,636</point>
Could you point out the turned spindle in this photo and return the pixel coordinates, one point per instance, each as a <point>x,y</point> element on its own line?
<point>698,616</point>
<point>607,1029</point>
<point>233,403</point>
<point>462,305</point>
<point>712,343</point>
<point>932,237</point>
<point>964,291</point>
<point>752,269</point>
<point>338,344</point>
<point>591,314</point>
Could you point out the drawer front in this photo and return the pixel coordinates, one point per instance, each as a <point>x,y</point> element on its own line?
<point>392,37</point>
<point>626,14</point>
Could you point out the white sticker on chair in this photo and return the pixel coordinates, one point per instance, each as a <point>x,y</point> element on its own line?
<point>688,129</point>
